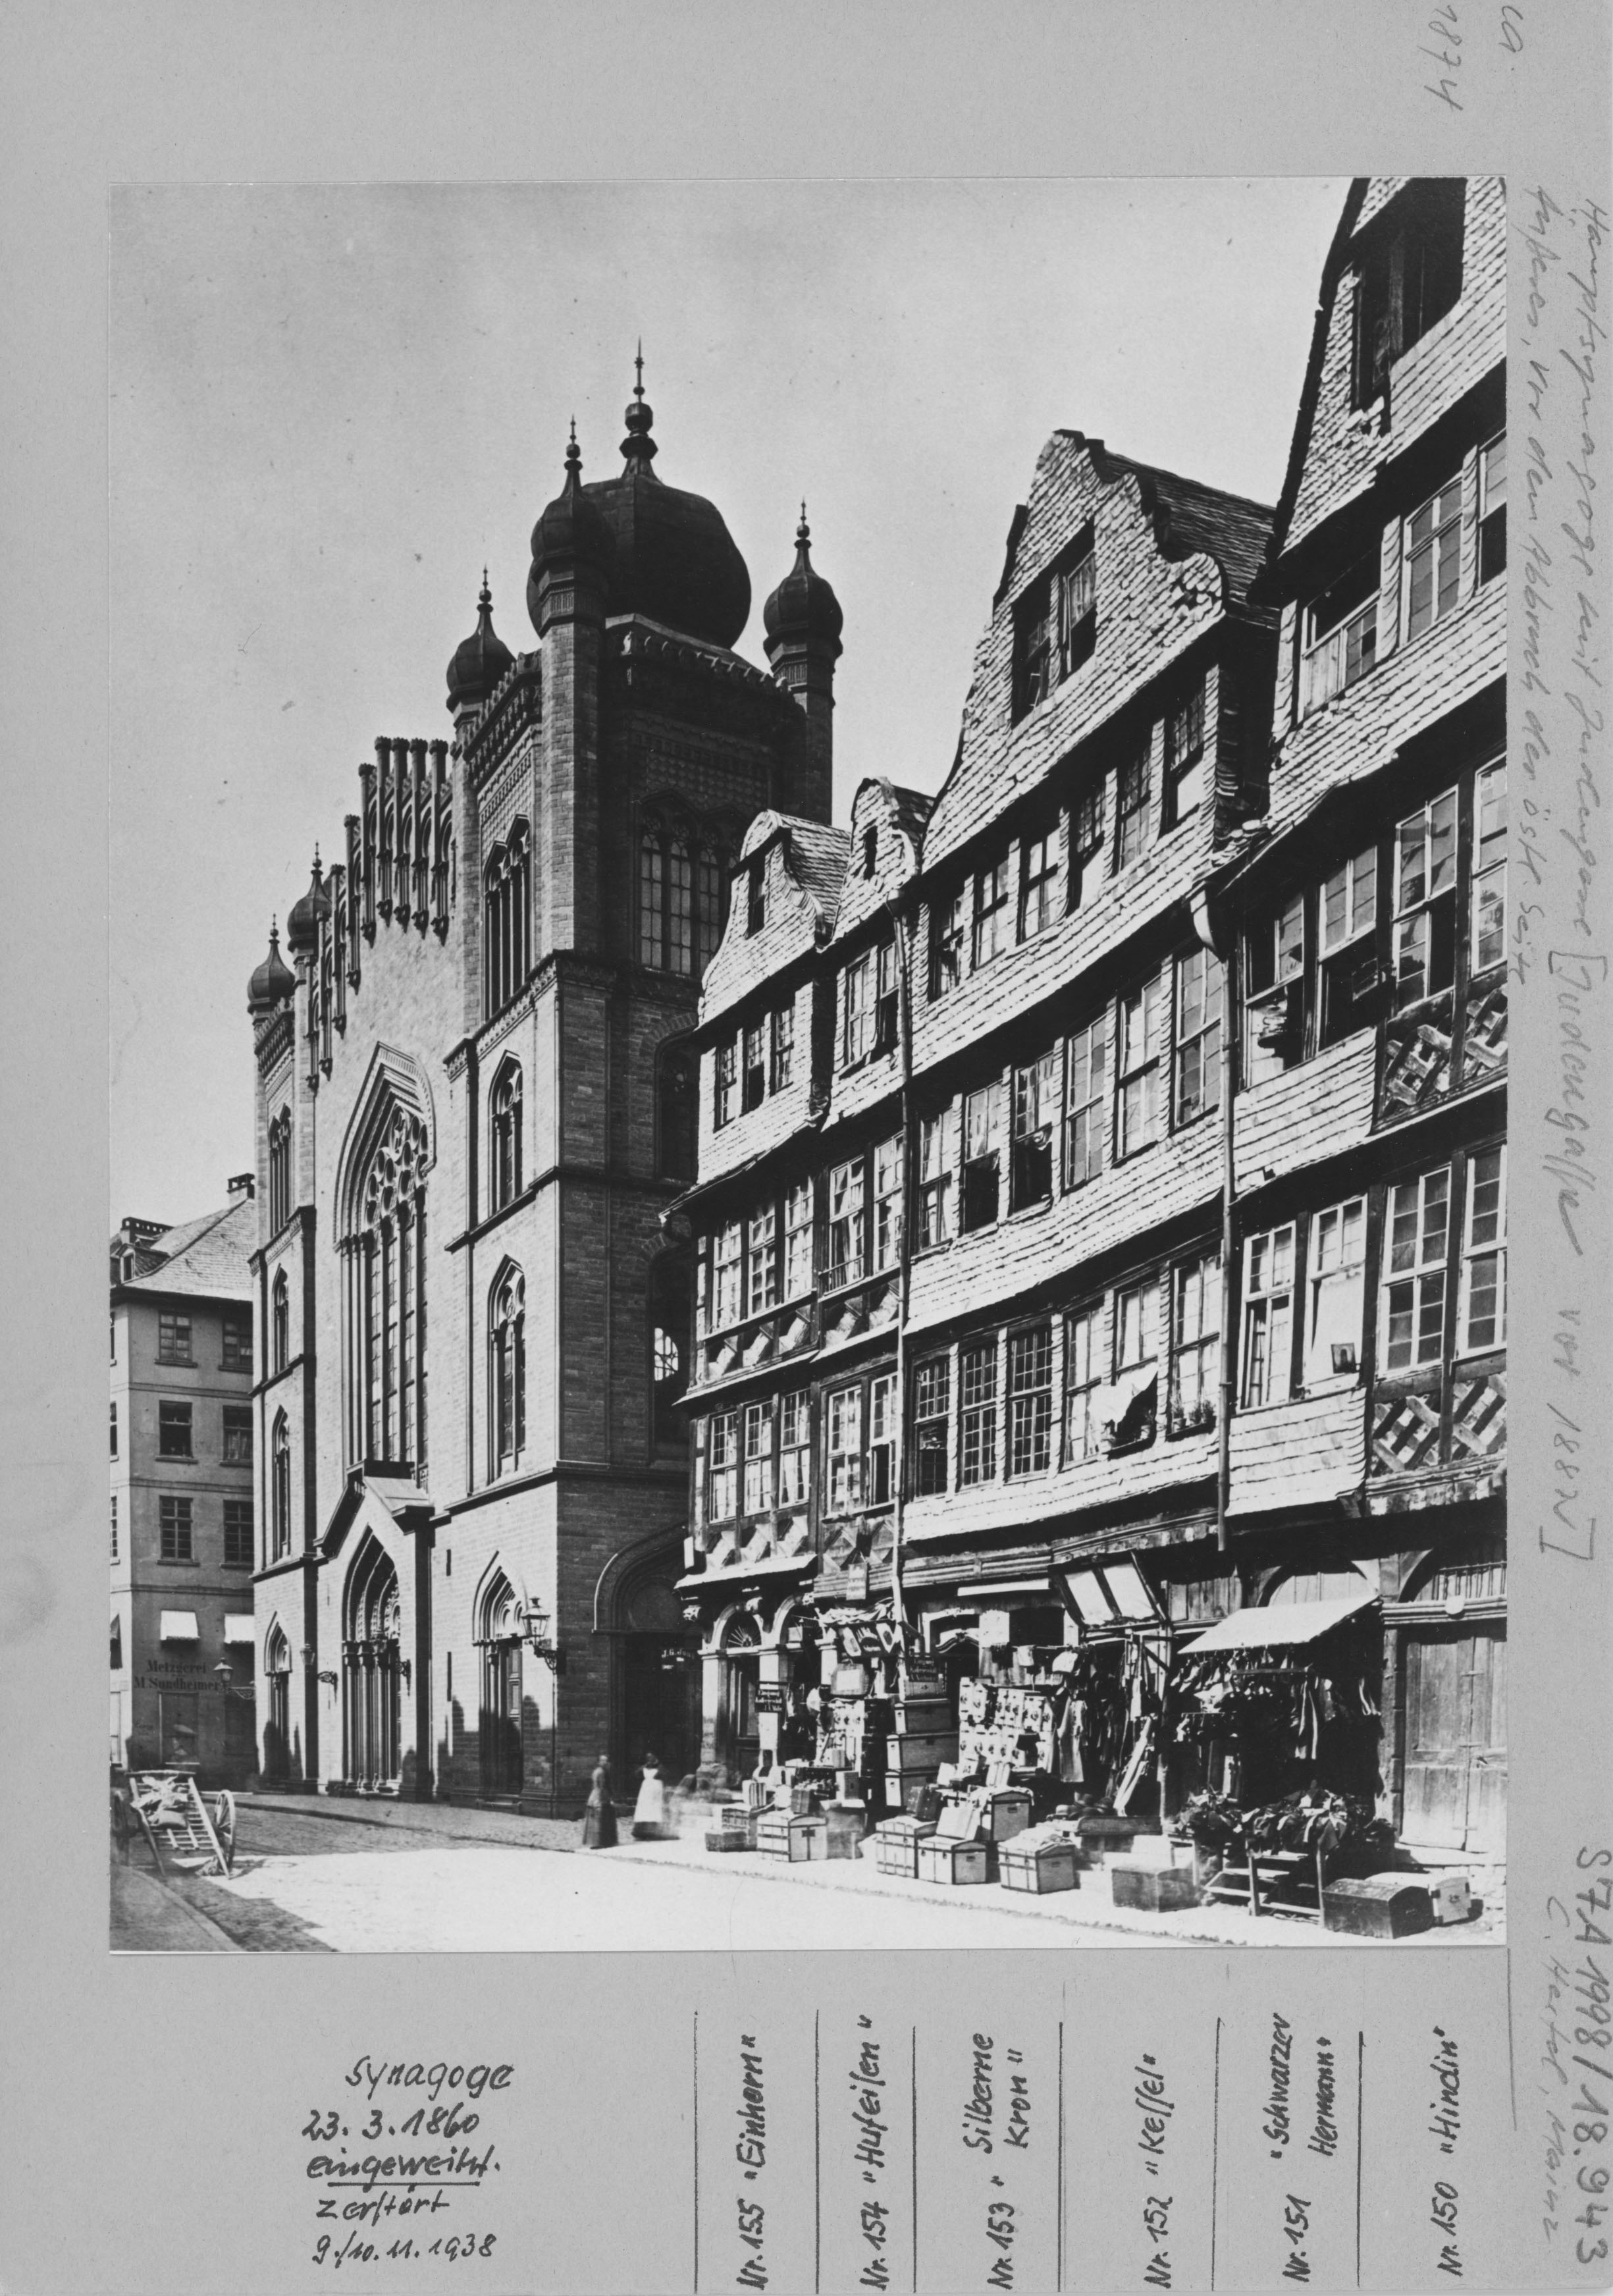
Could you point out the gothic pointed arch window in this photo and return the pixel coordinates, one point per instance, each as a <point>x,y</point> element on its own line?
<point>498,1625</point>
<point>277,1723</point>
<point>507,1369</point>
<point>506,1106</point>
<point>506,915</point>
<point>390,1306</point>
<point>371,1652</point>
<point>280,1319</point>
<point>280,1171</point>
<point>280,1486</point>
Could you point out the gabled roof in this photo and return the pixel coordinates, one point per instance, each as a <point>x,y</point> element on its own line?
<point>209,1255</point>
<point>1190,518</point>
<point>1338,255</point>
<point>818,854</point>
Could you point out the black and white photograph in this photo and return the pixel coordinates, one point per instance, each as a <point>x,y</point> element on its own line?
<point>829,1235</point>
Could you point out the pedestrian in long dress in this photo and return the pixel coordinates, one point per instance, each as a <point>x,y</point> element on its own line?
<point>649,1810</point>
<point>599,1816</point>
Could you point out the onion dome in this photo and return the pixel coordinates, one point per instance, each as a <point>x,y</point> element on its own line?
<point>672,557</point>
<point>272,982</point>
<point>307,915</point>
<point>481,660</point>
<point>569,531</point>
<point>804,608</point>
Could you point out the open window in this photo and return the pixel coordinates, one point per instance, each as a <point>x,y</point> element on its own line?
<point>1340,635</point>
<point>1409,275</point>
<point>1035,1112</point>
<point>982,1155</point>
<point>1347,920</point>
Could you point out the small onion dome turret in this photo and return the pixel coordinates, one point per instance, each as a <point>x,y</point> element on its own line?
<point>804,608</point>
<point>273,981</point>
<point>570,530</point>
<point>307,915</point>
<point>481,660</point>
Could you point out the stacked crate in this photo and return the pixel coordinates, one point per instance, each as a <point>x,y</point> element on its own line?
<point>923,1737</point>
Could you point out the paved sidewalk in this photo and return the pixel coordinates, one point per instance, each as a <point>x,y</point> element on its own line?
<point>1089,1907</point>
<point>150,1917</point>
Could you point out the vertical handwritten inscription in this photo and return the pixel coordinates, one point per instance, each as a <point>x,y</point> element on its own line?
<point>750,2152</point>
<point>865,2149</point>
<point>1155,2109</point>
<point>1444,2128</point>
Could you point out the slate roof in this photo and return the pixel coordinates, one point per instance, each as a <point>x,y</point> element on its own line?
<point>820,854</point>
<point>1190,518</point>
<point>209,1255</point>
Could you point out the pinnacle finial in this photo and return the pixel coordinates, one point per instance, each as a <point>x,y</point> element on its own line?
<point>638,362</point>
<point>316,860</point>
<point>638,446</point>
<point>574,456</point>
<point>803,533</point>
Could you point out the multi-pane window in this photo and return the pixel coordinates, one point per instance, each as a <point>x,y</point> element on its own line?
<point>887,1202</point>
<point>1484,1268</point>
<point>506,1136</point>
<point>846,1222</point>
<point>682,887</point>
<point>390,1353</point>
<point>722,1466</point>
<point>1035,1113</point>
<point>1038,881</point>
<point>886,997</point>
<point>279,1484</point>
<point>237,1342</point>
<point>507,921</point>
<point>946,918</point>
<point>1083,1377</point>
<point>1086,840</point>
<point>1184,756</point>
<point>797,1241</point>
<point>725,1082</point>
<point>508,1369</point>
<point>978,1414</point>
<point>756,1427</point>
<point>795,1449</point>
<point>992,913</point>
<point>174,1340</point>
<point>882,1439</point>
<point>1413,1284</point>
<point>1055,625</point>
<point>1075,608</point>
<point>1346,915</point>
<point>753,1081</point>
<point>762,1260</point>
<point>1433,559</point>
<point>280,1320</point>
<point>280,1171</point>
<point>173,1431</point>
<point>1032,648</point>
<point>931,1411</point>
<point>843,1441</point>
<point>237,1434</point>
<point>114,1411</point>
<point>727,1269</point>
<point>1195,1343</point>
<point>1268,1316</point>
<point>114,1549</point>
<point>937,1154</point>
<point>1493,509</point>
<point>1340,635</point>
<point>238,1534</point>
<point>857,1009</point>
<point>1487,902</point>
<point>1133,793</point>
<point>173,1529</point>
<point>1425,901</point>
<point>1198,1035</point>
<point>1138,1112</point>
<point>982,1154</point>
<point>1335,1293</point>
<point>1030,1400</point>
<point>1136,1361</point>
<point>1086,1110</point>
<point>1274,992</point>
<point>783,1047</point>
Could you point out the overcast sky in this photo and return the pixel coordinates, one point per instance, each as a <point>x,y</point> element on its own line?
<point>330,406</point>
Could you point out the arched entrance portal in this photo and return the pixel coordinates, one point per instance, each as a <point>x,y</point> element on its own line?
<point>660,1683</point>
<point>371,1693</point>
<point>277,1724</point>
<point>502,1770</point>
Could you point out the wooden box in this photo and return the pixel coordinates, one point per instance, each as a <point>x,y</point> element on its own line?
<point>924,1752</point>
<point>918,1718</point>
<point>1039,1866</point>
<point>1383,1905</point>
<point>897,1845</point>
<point>942,1859</point>
<point>740,1823</point>
<point>1104,1832</point>
<point>1153,1889</point>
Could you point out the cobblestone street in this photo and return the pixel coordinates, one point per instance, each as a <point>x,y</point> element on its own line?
<point>453,1880</point>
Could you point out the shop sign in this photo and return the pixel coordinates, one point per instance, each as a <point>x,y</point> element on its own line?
<point>769,1698</point>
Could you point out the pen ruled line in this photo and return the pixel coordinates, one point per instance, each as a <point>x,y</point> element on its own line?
<point>696,2276</point>
<point>1360,2120</point>
<point>1215,2148</point>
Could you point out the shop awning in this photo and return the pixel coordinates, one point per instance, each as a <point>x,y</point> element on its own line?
<point>178,1626</point>
<point>238,1628</point>
<point>1279,1624</point>
<point>1115,1595</point>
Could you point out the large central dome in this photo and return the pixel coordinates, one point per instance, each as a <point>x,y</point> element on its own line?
<point>671,556</point>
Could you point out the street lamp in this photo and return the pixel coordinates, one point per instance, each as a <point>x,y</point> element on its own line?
<point>227,1682</point>
<point>534,1619</point>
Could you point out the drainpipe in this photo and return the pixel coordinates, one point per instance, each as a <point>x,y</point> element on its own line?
<point>1222,943</point>
<point>904,1257</point>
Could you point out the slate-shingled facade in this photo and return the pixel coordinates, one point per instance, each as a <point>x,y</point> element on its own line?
<point>1003,1335</point>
